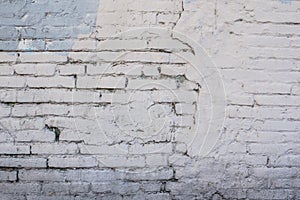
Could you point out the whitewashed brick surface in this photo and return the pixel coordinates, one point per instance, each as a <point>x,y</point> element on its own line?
<point>118,99</point>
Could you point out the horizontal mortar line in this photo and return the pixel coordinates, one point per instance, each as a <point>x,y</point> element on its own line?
<point>124,89</point>
<point>92,50</point>
<point>291,119</point>
<point>83,103</point>
<point>96,91</point>
<point>260,58</point>
<point>288,36</point>
<point>266,22</point>
<point>18,168</point>
<point>273,58</point>
<point>265,105</point>
<point>258,106</point>
<point>62,103</point>
<point>94,62</point>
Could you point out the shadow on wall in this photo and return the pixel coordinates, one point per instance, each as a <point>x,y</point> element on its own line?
<point>39,25</point>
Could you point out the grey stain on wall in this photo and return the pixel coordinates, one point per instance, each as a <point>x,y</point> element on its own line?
<point>30,25</point>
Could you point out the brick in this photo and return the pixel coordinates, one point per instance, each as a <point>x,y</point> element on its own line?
<point>181,148</point>
<point>41,175</point>
<point>68,45</point>
<point>64,188</point>
<point>260,76</point>
<point>152,187</point>
<point>107,31</point>
<point>30,45</point>
<point>39,110</point>
<point>149,18</point>
<point>8,57</point>
<point>35,69</point>
<point>5,110</point>
<point>42,57</point>
<point>240,111</point>
<point>269,137</point>
<point>152,57</point>
<point>149,70</point>
<point>106,196</point>
<point>173,70</point>
<point>77,188</point>
<point>47,197</point>
<point>278,125</point>
<point>174,45</point>
<point>152,174</point>
<point>53,82</point>
<point>85,44</point>
<point>8,175</point>
<point>10,149</point>
<point>120,188</point>
<point>56,188</point>
<point>34,136</point>
<point>296,90</point>
<point>150,148</point>
<point>175,96</point>
<point>59,45</point>
<point>20,188</point>
<point>6,70</point>
<point>178,160</point>
<point>130,69</point>
<point>12,82</point>
<point>267,88</point>
<point>122,44</point>
<point>272,148</point>
<point>268,41</point>
<point>257,160</point>
<point>167,17</point>
<point>286,183</point>
<point>151,84</point>
<point>260,15</point>
<point>53,95</point>
<point>286,161</point>
<point>267,194</point>
<point>274,172</point>
<point>156,160</point>
<point>101,82</point>
<point>60,148</point>
<point>101,69</point>
<point>91,176</point>
<point>104,149</point>
<point>287,53</point>
<point>276,112</point>
<point>116,161</point>
<point>279,100</point>
<point>71,69</point>
<point>91,57</point>
<point>233,193</point>
<point>18,124</point>
<point>277,65</point>
<point>155,6</point>
<point>183,121</point>
<point>23,162</point>
<point>84,125</point>
<point>246,100</point>
<point>8,32</point>
<point>72,162</point>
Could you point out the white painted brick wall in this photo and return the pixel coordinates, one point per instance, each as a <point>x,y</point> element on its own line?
<point>119,99</point>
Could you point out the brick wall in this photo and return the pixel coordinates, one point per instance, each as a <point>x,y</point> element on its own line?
<point>161,99</point>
